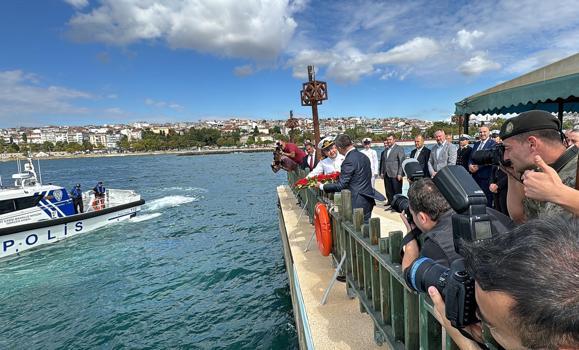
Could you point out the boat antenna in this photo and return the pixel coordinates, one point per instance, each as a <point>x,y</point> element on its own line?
<point>39,172</point>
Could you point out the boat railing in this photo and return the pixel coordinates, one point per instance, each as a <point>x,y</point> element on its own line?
<point>113,197</point>
<point>402,318</point>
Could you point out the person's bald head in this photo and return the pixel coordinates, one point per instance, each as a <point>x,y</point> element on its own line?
<point>418,141</point>
<point>484,133</point>
<point>573,136</point>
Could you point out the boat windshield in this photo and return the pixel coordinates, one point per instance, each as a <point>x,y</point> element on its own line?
<point>10,205</point>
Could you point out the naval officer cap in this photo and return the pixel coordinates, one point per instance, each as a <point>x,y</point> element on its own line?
<point>326,142</point>
<point>529,121</point>
<point>367,140</point>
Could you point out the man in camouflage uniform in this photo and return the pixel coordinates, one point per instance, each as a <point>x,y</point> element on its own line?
<point>525,136</point>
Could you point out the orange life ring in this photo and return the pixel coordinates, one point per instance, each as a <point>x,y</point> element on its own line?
<point>323,229</point>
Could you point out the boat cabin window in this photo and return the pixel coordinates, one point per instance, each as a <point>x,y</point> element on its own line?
<point>10,205</point>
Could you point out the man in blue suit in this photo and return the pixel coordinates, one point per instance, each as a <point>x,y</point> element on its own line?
<point>355,175</point>
<point>482,174</point>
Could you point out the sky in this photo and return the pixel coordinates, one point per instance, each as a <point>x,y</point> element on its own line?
<point>80,62</point>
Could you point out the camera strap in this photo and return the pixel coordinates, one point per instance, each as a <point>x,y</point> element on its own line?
<point>565,158</point>
<point>577,175</point>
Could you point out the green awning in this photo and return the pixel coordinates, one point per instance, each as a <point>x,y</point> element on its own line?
<point>548,88</point>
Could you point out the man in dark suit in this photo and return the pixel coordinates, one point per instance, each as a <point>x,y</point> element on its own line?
<point>421,154</point>
<point>310,161</point>
<point>355,175</point>
<point>482,174</point>
<point>463,153</point>
<point>391,167</point>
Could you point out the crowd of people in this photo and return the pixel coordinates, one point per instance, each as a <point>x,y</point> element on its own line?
<point>525,274</point>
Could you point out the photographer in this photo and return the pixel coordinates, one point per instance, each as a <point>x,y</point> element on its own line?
<point>287,155</point>
<point>432,215</point>
<point>525,286</point>
<point>530,134</point>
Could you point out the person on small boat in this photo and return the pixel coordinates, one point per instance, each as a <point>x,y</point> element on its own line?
<point>99,195</point>
<point>76,195</point>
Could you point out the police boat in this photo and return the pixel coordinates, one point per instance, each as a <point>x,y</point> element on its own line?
<point>33,214</point>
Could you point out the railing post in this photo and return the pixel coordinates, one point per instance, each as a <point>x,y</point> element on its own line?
<point>347,205</point>
<point>374,230</point>
<point>411,321</point>
<point>358,219</point>
<point>395,245</point>
<point>396,289</point>
<point>430,329</point>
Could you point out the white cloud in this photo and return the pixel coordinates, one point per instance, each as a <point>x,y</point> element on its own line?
<point>114,110</point>
<point>163,104</point>
<point>465,38</point>
<point>257,29</point>
<point>415,50</point>
<point>23,97</point>
<point>345,63</point>
<point>79,4</point>
<point>477,65</point>
<point>244,70</point>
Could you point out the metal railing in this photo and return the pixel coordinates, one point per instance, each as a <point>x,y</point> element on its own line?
<point>402,318</point>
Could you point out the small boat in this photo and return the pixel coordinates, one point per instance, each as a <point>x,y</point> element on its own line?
<point>33,214</point>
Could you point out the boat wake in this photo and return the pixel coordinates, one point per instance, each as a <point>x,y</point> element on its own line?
<point>168,202</point>
<point>185,189</point>
<point>145,217</point>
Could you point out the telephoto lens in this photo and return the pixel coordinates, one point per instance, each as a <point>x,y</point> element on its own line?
<point>399,203</point>
<point>424,273</point>
<point>455,285</point>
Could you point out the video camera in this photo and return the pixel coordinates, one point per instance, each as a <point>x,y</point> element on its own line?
<point>493,156</point>
<point>471,223</point>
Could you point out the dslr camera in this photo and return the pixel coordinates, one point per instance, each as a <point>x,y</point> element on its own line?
<point>470,223</point>
<point>493,156</point>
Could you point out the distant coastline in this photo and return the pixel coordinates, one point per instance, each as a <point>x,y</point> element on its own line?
<point>7,157</point>
<point>199,152</point>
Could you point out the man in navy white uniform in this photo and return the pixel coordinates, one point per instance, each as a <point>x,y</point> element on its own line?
<point>373,156</point>
<point>333,161</point>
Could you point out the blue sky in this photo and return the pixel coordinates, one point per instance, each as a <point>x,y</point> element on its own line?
<point>77,62</point>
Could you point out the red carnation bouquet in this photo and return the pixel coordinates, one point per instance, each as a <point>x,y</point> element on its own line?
<point>312,181</point>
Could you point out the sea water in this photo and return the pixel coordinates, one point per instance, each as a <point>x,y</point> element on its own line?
<point>201,267</point>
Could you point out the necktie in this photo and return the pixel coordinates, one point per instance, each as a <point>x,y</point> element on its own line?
<point>311,162</point>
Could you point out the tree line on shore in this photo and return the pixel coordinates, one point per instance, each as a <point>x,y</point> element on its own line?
<point>202,137</point>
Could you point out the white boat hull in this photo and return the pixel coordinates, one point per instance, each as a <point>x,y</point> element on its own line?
<point>18,242</point>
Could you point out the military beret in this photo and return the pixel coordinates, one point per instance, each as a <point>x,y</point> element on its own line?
<point>529,121</point>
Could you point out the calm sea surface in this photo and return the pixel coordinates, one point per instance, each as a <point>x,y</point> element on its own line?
<point>201,267</point>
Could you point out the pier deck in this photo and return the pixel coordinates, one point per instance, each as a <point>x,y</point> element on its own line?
<point>338,324</point>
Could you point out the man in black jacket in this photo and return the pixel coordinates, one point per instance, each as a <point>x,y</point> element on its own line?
<point>311,159</point>
<point>463,153</point>
<point>421,154</point>
<point>355,175</point>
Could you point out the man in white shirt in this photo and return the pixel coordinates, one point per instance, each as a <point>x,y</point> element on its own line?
<point>373,156</point>
<point>333,161</point>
